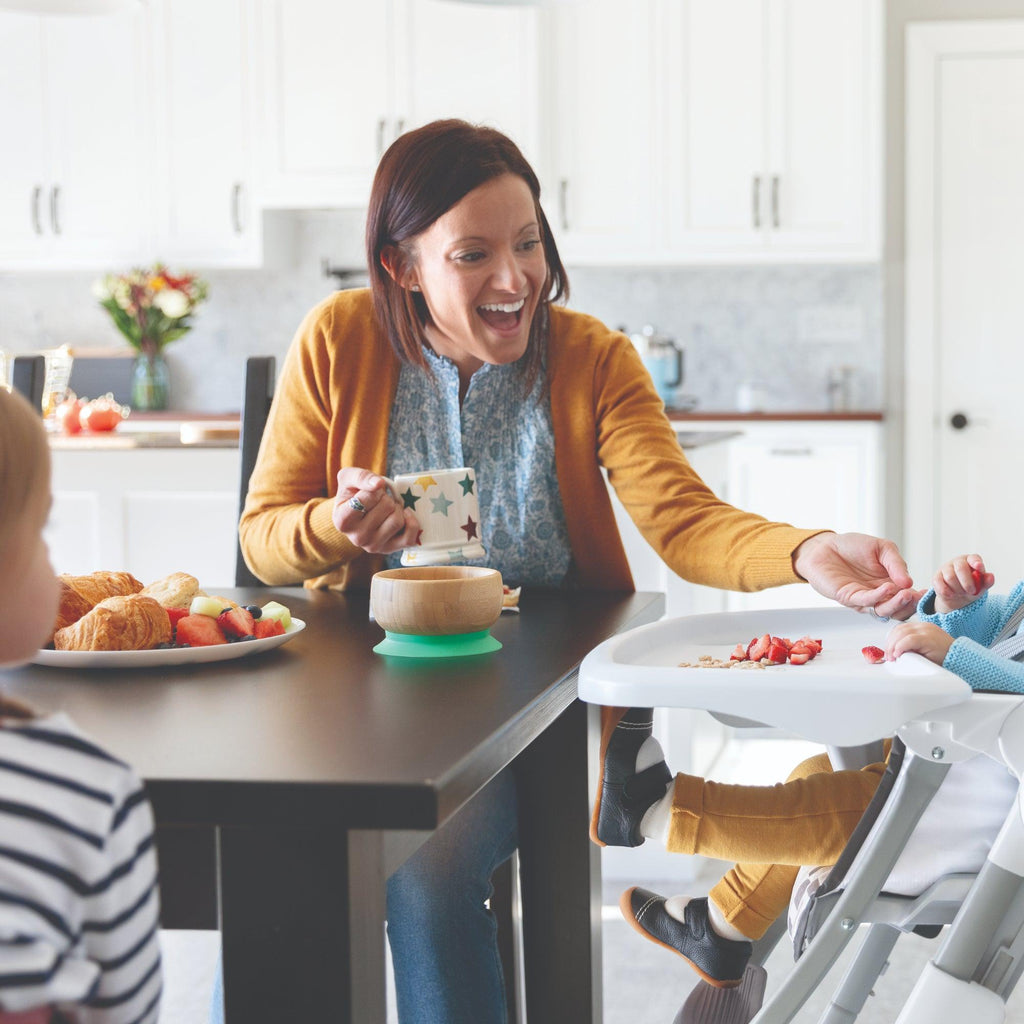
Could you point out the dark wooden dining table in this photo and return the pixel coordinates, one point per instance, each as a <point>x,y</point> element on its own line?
<point>287,785</point>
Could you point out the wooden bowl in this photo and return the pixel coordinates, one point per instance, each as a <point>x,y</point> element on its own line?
<point>436,600</point>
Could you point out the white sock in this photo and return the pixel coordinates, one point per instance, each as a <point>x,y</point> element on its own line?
<point>654,824</point>
<point>676,905</point>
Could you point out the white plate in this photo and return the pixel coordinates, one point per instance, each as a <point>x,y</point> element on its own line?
<point>838,697</point>
<point>167,655</point>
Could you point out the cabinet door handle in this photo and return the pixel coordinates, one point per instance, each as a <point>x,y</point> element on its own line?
<point>382,127</point>
<point>799,452</point>
<point>55,209</point>
<point>236,208</point>
<point>775,200</point>
<point>37,224</point>
<point>755,200</point>
<point>399,126</point>
<point>563,202</point>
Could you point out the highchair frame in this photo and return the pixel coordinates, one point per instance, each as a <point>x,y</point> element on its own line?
<point>939,721</point>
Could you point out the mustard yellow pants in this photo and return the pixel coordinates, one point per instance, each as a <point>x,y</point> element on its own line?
<point>771,831</point>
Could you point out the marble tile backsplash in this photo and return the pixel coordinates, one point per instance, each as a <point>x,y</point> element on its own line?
<point>785,328</point>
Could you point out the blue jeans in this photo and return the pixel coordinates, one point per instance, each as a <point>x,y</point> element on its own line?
<point>444,947</point>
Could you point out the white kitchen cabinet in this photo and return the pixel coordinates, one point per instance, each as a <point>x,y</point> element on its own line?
<point>774,140</point>
<point>341,79</point>
<point>149,511</point>
<point>717,130</point>
<point>75,190</point>
<point>606,134</point>
<point>203,83</point>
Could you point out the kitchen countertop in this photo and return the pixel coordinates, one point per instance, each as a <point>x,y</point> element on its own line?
<point>679,416</point>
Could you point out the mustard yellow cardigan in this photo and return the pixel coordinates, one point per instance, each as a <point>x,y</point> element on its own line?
<point>332,408</point>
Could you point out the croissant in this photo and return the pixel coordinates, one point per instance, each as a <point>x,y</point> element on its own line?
<point>71,608</point>
<point>101,584</point>
<point>132,622</point>
<point>174,591</point>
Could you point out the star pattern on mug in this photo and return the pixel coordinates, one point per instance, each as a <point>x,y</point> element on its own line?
<point>409,499</point>
<point>467,484</point>
<point>441,505</point>
<point>470,527</point>
<point>426,482</point>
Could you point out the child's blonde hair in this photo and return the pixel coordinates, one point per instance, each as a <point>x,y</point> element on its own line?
<point>24,462</point>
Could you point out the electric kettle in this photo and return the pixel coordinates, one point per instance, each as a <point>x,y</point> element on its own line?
<point>663,359</point>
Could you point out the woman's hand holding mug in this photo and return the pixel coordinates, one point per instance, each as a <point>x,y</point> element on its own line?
<point>434,515</point>
<point>370,514</point>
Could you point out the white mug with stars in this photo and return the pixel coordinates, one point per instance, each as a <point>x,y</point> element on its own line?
<point>447,507</point>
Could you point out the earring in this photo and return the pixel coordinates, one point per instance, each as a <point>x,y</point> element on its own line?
<point>414,287</point>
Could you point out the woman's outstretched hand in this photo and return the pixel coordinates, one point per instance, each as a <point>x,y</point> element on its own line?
<point>859,571</point>
<point>368,514</point>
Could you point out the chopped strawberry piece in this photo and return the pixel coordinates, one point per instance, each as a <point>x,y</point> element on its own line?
<point>787,643</point>
<point>777,652</point>
<point>873,654</point>
<point>739,653</point>
<point>175,614</point>
<point>199,631</point>
<point>796,658</point>
<point>268,627</point>
<point>803,647</point>
<point>237,622</point>
<point>976,580</point>
<point>811,645</point>
<point>758,647</point>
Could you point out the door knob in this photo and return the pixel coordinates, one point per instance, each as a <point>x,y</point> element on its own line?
<point>958,421</point>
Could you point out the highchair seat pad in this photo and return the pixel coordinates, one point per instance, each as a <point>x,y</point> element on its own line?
<point>953,836</point>
<point>837,698</point>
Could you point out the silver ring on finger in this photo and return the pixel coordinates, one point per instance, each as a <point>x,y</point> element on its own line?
<point>357,505</point>
<point>875,615</point>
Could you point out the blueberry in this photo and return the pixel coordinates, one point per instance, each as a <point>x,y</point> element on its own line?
<point>254,610</point>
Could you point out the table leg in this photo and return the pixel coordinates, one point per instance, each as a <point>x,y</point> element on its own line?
<point>299,910</point>
<point>560,873</point>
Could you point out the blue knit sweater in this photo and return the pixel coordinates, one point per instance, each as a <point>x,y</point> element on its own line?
<point>974,627</point>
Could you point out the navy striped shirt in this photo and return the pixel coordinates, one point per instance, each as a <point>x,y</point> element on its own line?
<point>79,904</point>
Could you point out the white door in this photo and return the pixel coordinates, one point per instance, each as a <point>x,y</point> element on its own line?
<point>965,303</point>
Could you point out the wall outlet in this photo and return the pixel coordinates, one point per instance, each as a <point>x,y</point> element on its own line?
<point>836,324</point>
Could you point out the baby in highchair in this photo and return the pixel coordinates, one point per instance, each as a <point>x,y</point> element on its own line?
<point>771,831</point>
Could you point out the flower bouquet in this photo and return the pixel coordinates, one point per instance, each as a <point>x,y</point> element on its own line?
<point>151,308</point>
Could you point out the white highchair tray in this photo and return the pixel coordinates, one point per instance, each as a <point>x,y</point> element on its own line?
<point>837,698</point>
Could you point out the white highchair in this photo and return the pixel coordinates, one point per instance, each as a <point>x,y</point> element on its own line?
<point>841,701</point>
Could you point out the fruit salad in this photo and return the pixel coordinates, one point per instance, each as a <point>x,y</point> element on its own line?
<point>217,620</point>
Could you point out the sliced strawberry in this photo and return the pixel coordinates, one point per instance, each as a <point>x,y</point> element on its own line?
<point>785,641</point>
<point>976,579</point>
<point>799,659</point>
<point>873,654</point>
<point>802,647</point>
<point>174,614</point>
<point>811,645</point>
<point>758,647</point>
<point>237,622</point>
<point>268,627</point>
<point>739,653</point>
<point>778,652</point>
<point>199,631</point>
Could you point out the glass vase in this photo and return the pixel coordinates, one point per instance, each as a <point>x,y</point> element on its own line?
<point>150,382</point>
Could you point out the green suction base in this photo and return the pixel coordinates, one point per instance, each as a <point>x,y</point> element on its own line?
<point>453,645</point>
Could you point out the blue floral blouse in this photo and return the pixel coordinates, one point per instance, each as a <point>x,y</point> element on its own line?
<point>508,440</point>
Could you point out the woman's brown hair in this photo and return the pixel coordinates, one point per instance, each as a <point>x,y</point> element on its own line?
<point>423,174</point>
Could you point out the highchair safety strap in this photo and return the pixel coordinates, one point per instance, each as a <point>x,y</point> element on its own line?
<point>1008,642</point>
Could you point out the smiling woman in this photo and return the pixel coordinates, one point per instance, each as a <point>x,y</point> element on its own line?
<point>459,356</point>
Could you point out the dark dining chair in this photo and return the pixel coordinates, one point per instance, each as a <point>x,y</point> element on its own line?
<point>257,394</point>
<point>28,373</point>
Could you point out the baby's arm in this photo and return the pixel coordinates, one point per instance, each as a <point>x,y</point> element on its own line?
<point>959,582</point>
